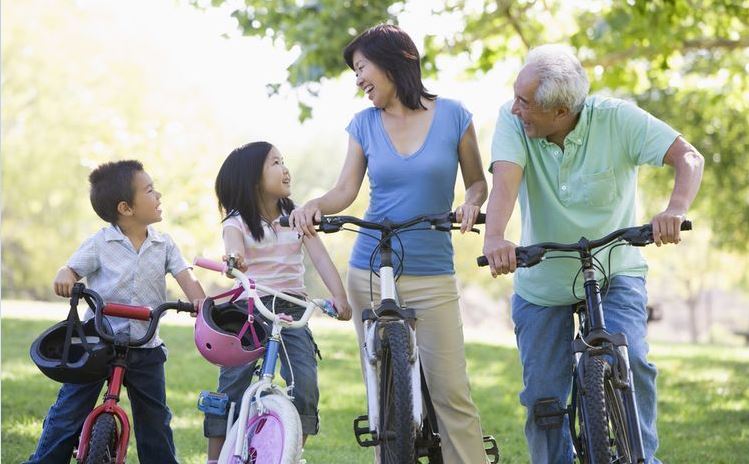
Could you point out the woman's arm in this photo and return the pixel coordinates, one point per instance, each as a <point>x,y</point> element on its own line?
<point>336,199</point>
<point>329,274</point>
<point>473,178</point>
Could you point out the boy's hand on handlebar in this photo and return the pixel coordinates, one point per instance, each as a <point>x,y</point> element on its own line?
<point>501,255</point>
<point>467,214</point>
<point>666,227</point>
<point>342,307</point>
<point>303,218</point>
<point>64,281</point>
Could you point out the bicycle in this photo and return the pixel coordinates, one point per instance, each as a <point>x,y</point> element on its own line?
<point>97,354</point>
<point>604,422</point>
<point>400,416</point>
<point>268,429</point>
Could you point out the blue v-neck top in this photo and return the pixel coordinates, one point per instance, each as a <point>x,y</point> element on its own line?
<point>406,185</point>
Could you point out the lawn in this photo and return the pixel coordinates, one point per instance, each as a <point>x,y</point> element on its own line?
<point>703,398</point>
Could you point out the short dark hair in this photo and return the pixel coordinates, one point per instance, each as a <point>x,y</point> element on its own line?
<point>238,186</point>
<point>112,183</point>
<point>393,51</point>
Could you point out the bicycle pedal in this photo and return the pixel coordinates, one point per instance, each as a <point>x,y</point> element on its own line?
<point>492,450</point>
<point>213,403</point>
<point>361,432</point>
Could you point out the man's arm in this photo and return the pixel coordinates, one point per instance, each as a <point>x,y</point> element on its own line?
<point>688,164</point>
<point>506,178</point>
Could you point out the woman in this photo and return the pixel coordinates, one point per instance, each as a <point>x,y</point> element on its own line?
<point>410,143</point>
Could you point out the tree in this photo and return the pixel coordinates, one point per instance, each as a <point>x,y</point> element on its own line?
<point>682,60</point>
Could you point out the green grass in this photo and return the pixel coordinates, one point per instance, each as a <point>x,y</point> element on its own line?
<point>703,398</point>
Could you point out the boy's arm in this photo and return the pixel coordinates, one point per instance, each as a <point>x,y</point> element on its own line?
<point>190,285</point>
<point>329,274</point>
<point>64,281</point>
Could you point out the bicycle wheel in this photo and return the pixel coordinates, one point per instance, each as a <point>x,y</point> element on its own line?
<point>605,422</point>
<point>397,432</point>
<point>102,445</point>
<point>274,437</point>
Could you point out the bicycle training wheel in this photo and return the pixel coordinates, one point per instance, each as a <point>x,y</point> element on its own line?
<point>605,420</point>
<point>397,432</point>
<point>102,445</point>
<point>274,437</point>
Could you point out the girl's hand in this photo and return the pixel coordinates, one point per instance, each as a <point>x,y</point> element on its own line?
<point>343,308</point>
<point>239,262</point>
<point>64,281</point>
<point>466,214</point>
<point>303,218</point>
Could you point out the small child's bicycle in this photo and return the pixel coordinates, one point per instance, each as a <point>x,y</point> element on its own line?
<point>82,352</point>
<point>268,429</point>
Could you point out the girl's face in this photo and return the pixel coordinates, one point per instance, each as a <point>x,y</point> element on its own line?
<point>276,180</point>
<point>373,81</point>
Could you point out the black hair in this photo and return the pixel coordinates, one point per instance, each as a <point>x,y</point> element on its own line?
<point>393,51</point>
<point>112,183</point>
<point>238,186</point>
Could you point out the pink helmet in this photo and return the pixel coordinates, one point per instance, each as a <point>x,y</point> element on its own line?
<point>225,337</point>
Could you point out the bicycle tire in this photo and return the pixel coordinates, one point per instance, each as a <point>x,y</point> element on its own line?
<point>605,419</point>
<point>274,437</point>
<point>102,445</point>
<point>397,431</point>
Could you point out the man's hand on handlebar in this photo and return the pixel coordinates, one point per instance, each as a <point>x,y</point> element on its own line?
<point>666,226</point>
<point>501,255</point>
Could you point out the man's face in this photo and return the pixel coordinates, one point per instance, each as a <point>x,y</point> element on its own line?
<point>537,121</point>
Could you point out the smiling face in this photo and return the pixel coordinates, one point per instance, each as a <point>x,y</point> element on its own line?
<point>537,121</point>
<point>276,180</point>
<point>146,205</point>
<point>373,81</point>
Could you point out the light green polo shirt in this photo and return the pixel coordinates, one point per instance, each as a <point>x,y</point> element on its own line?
<point>587,190</point>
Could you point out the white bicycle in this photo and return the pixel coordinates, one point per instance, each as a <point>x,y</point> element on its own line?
<point>268,429</point>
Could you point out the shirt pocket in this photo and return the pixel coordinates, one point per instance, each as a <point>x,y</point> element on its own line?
<point>596,189</point>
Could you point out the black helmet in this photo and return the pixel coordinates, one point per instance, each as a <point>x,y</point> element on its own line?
<point>71,351</point>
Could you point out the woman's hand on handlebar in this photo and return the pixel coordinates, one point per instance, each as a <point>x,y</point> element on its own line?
<point>342,307</point>
<point>303,218</point>
<point>501,255</point>
<point>467,214</point>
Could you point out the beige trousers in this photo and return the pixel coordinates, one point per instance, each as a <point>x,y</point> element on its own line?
<point>439,335</point>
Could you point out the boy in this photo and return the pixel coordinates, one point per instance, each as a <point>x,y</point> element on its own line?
<point>125,263</point>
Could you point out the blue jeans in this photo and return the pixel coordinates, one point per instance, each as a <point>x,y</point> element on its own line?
<point>301,349</point>
<point>145,382</point>
<point>544,337</point>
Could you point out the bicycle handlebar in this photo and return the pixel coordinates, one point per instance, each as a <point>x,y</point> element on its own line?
<point>531,255</point>
<point>331,224</point>
<point>143,313</point>
<point>252,287</point>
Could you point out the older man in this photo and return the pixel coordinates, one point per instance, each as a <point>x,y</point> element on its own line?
<point>573,160</point>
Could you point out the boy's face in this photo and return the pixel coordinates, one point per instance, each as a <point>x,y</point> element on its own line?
<point>146,201</point>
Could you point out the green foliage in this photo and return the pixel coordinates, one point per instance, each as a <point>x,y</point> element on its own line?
<point>700,389</point>
<point>682,60</point>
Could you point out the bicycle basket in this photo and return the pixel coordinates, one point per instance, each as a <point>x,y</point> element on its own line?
<point>225,337</point>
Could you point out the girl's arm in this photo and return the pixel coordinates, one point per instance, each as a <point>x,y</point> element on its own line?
<point>234,245</point>
<point>473,178</point>
<point>329,274</point>
<point>336,199</point>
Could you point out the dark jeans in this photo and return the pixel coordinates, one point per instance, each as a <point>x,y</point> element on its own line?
<point>301,349</point>
<point>146,389</point>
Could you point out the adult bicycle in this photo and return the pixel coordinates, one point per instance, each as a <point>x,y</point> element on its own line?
<point>268,429</point>
<point>82,352</point>
<point>400,416</point>
<point>604,423</point>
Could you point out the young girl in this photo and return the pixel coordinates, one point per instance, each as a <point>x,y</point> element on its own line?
<point>253,188</point>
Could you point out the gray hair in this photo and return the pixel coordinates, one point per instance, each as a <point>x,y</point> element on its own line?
<point>562,79</point>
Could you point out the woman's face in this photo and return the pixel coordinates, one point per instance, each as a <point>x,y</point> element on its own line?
<point>373,81</point>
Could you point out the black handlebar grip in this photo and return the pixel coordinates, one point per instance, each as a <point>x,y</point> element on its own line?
<point>185,306</point>
<point>686,225</point>
<point>482,261</point>
<point>480,219</point>
<point>284,220</point>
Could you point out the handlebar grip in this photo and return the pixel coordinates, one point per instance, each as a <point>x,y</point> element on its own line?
<point>482,261</point>
<point>284,220</point>
<point>184,306</point>
<point>142,313</point>
<point>686,225</point>
<point>206,263</point>
<point>480,219</point>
